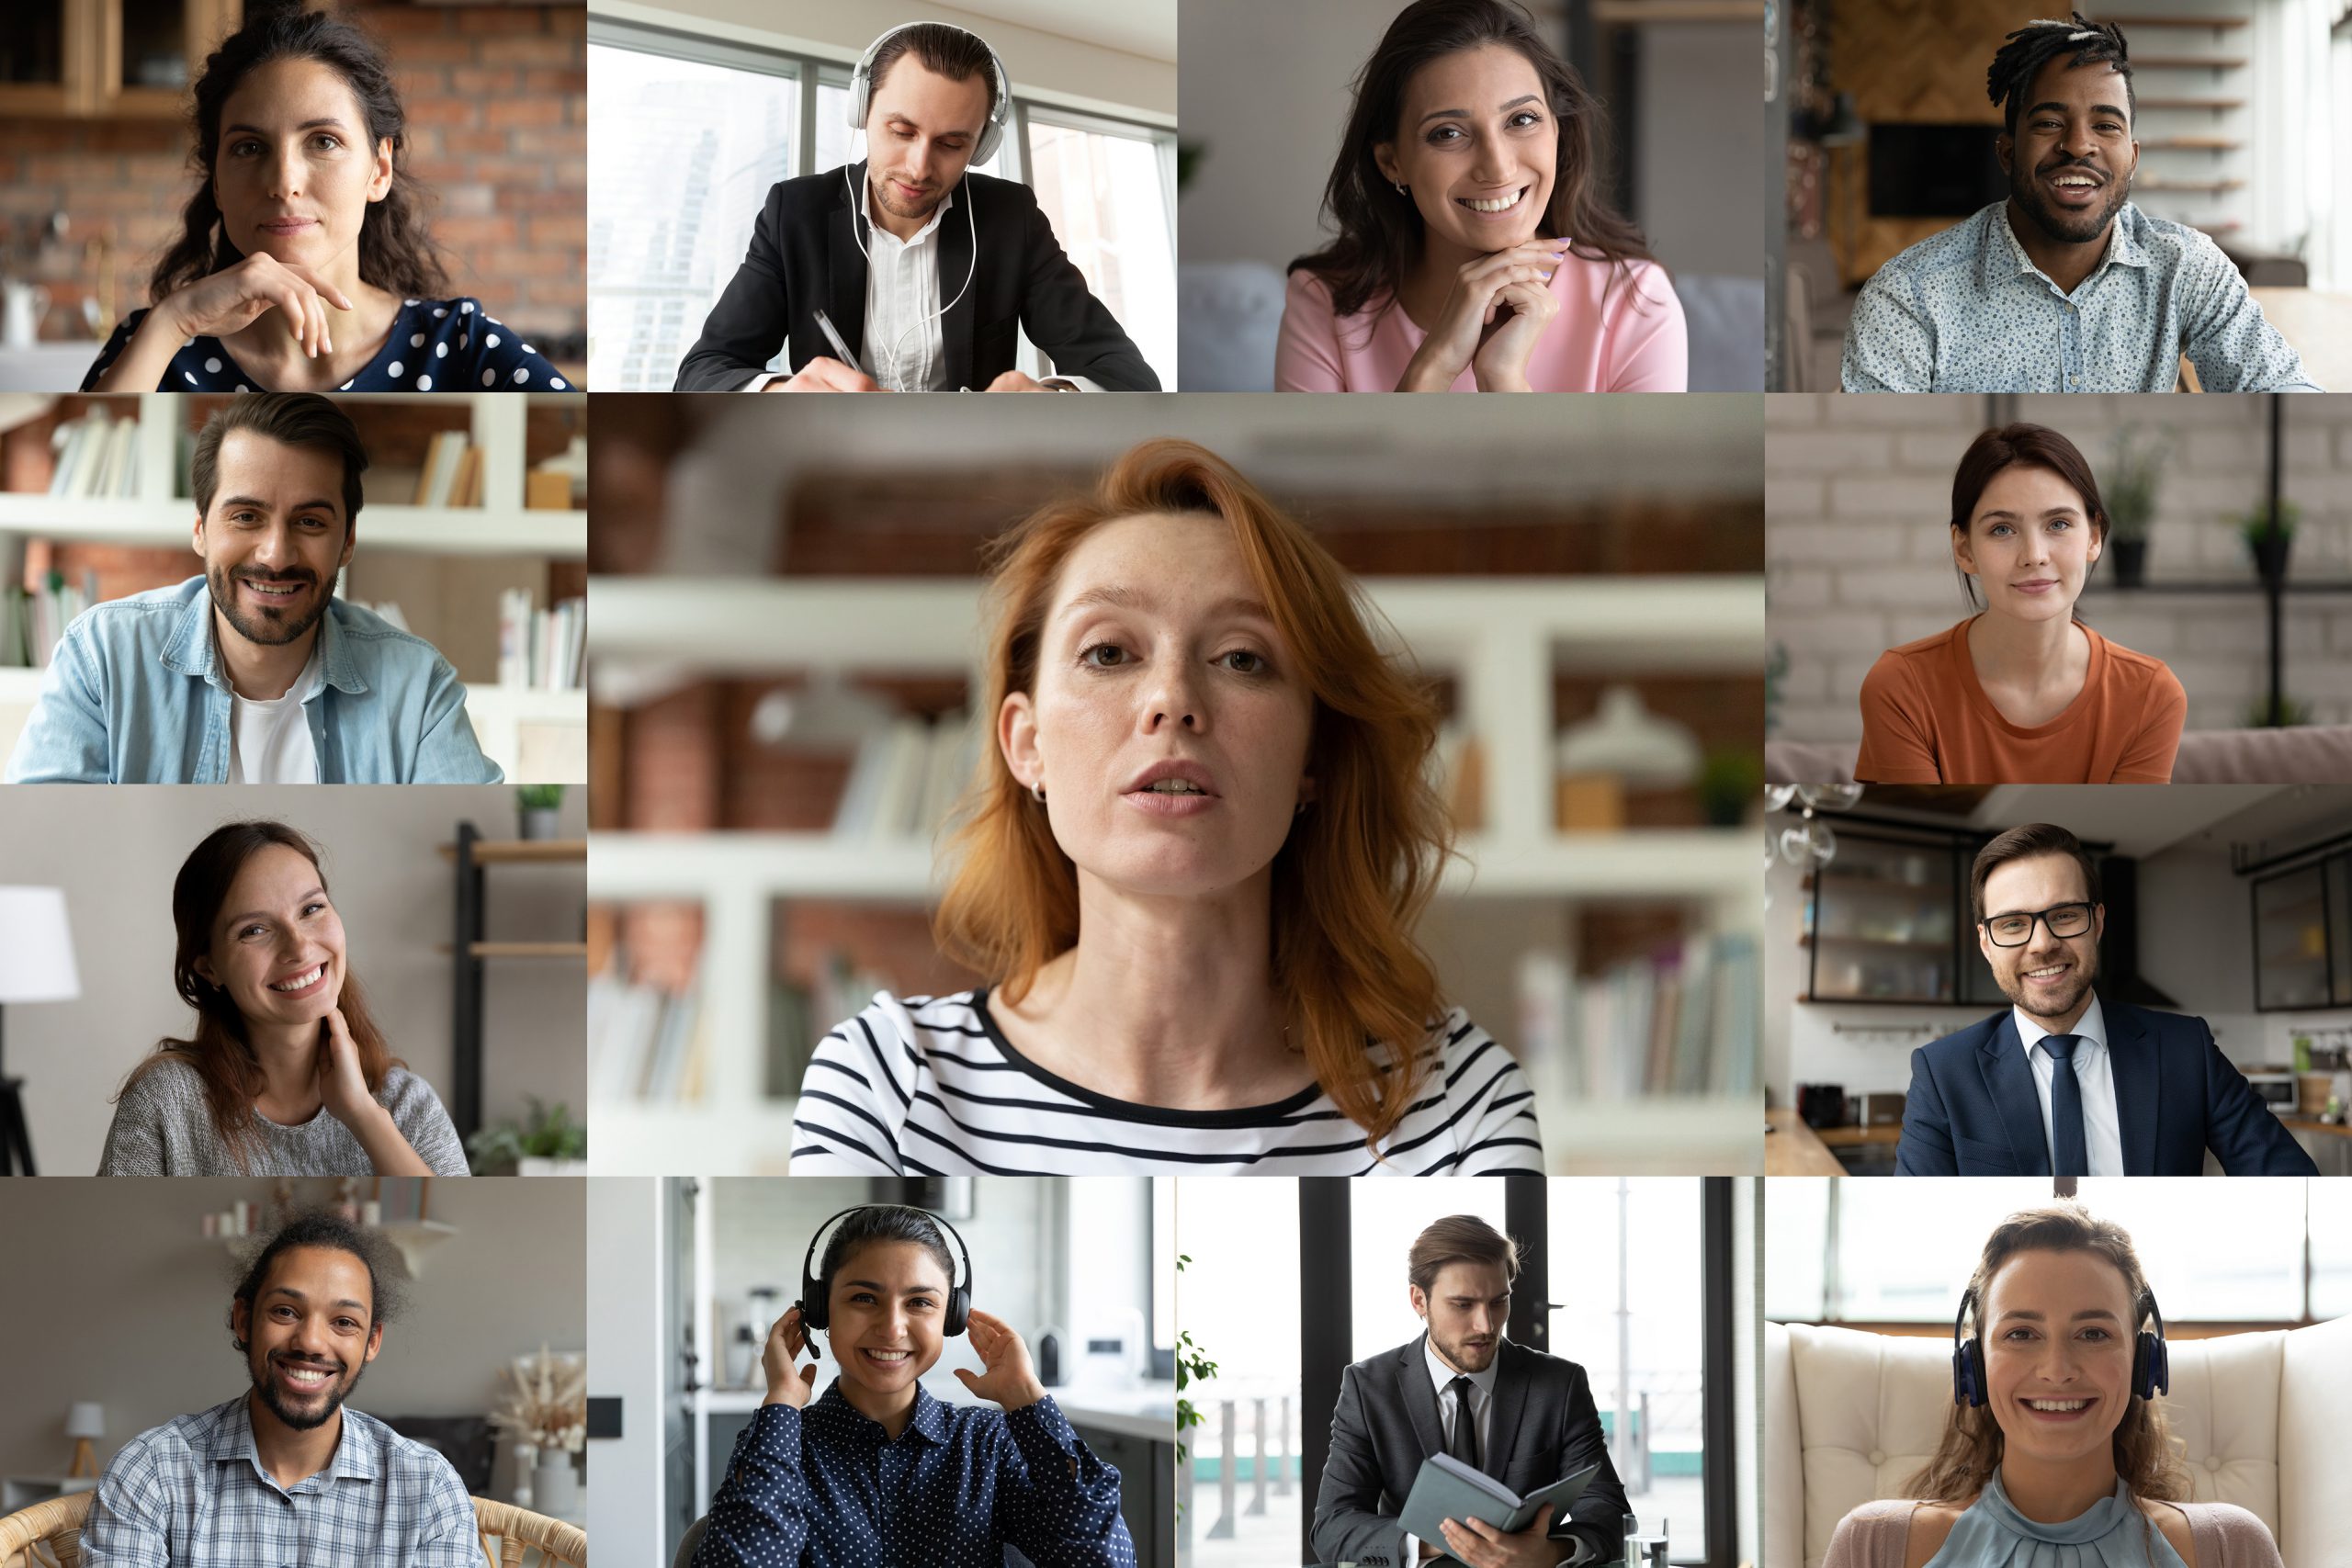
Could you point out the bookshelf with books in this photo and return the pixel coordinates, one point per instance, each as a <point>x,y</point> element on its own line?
<point>470,536</point>
<point>1497,644</point>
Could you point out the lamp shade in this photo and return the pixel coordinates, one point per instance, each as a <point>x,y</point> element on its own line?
<point>36,947</point>
<point>85,1419</point>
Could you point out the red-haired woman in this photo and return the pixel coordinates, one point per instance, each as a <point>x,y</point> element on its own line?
<point>285,1073</point>
<point>1190,871</point>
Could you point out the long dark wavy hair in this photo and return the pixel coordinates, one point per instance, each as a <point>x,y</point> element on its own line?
<point>396,253</point>
<point>1381,233</point>
<point>218,1049</point>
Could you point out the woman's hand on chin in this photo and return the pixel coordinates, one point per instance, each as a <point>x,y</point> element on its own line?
<point>342,1085</point>
<point>1458,339</point>
<point>236,297</point>
<point>1009,1380</point>
<point>1523,309</point>
<point>788,1385</point>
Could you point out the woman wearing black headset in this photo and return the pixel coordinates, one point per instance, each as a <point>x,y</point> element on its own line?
<point>878,1470</point>
<point>2057,1452</point>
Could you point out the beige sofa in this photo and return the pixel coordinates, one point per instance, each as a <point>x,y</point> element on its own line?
<point>2313,754</point>
<point>1850,1417</point>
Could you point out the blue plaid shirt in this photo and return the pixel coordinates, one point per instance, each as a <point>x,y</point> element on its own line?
<point>827,1488</point>
<point>1966,311</point>
<point>192,1493</point>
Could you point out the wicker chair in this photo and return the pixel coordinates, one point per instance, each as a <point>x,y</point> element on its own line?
<point>50,1532</point>
<point>46,1533</point>
<point>510,1535</point>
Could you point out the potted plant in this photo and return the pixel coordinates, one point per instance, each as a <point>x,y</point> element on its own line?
<point>549,1143</point>
<point>2271,538</point>
<point>2130,496</point>
<point>540,806</point>
<point>544,1413</point>
<point>1731,783</point>
<point>2288,715</point>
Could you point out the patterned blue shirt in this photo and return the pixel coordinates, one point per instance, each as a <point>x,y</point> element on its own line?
<point>1966,311</point>
<point>192,1493</point>
<point>827,1488</point>
<point>435,345</point>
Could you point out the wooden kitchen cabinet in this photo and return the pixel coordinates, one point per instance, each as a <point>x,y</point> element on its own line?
<point>107,58</point>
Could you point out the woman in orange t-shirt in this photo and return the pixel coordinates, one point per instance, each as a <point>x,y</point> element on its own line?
<point>2023,693</point>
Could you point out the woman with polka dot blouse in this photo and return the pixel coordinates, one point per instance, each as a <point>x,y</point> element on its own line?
<point>304,264</point>
<point>877,1473</point>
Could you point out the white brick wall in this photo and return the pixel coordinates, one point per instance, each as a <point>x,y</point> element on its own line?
<point>1856,491</point>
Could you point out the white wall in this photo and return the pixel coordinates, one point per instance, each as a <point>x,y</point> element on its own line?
<point>116,849</point>
<point>627,1341</point>
<point>115,1295</point>
<point>1701,205</point>
<point>1043,66</point>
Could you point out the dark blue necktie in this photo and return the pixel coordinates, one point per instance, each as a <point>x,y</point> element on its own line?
<point>2069,1153</point>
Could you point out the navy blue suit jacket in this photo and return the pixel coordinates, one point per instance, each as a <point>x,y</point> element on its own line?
<point>1973,1110</point>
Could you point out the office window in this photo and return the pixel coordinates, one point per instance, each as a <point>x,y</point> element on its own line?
<point>1239,1299</point>
<point>2331,1227</point>
<point>2215,1251</point>
<point>1384,1218</point>
<point>1104,185</point>
<point>1629,1306</point>
<point>684,152</point>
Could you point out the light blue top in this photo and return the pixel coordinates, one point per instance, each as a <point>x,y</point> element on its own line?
<point>1966,311</point>
<point>1991,1533</point>
<point>135,694</point>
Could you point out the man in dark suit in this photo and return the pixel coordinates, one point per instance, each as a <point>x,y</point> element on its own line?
<point>925,296</point>
<point>2066,1083</point>
<point>1528,1421</point>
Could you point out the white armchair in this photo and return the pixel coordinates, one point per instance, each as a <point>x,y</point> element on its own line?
<point>1850,1417</point>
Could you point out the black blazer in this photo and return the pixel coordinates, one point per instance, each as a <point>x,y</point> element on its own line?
<point>1973,1109</point>
<point>1544,1427</point>
<point>805,258</point>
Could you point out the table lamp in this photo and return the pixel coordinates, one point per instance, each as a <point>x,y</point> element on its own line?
<point>36,965</point>
<point>84,1421</point>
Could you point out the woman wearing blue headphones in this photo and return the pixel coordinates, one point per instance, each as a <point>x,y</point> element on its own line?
<point>2056,1453</point>
<point>878,1470</point>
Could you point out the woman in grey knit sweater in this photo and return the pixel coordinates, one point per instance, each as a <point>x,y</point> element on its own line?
<point>286,1073</point>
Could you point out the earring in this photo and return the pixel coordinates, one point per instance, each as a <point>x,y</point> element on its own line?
<point>1038,791</point>
<point>1400,190</point>
<point>1299,810</point>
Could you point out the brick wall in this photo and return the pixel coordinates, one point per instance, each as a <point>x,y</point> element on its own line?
<point>1858,559</point>
<point>497,102</point>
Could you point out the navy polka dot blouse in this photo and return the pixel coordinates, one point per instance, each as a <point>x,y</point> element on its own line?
<point>435,345</point>
<point>827,1488</point>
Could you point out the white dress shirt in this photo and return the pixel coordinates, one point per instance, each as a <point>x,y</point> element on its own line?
<point>2095,1071</point>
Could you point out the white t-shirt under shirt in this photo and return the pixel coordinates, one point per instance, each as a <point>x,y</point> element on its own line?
<point>931,1086</point>
<point>269,741</point>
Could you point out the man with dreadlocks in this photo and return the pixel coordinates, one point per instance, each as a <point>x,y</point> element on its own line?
<point>2065,287</point>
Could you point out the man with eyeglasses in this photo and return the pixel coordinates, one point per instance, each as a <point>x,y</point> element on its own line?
<point>2064,1083</point>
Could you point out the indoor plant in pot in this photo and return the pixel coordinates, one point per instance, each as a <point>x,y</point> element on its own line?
<point>2130,496</point>
<point>2270,544</point>
<point>540,806</point>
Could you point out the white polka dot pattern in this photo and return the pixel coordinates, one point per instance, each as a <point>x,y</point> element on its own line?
<point>205,365</point>
<point>827,1487</point>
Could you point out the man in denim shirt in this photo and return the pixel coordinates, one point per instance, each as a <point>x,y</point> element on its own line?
<point>254,673</point>
<point>2065,287</point>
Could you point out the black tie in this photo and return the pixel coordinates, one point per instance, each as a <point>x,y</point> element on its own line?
<point>1465,1446</point>
<point>2069,1151</point>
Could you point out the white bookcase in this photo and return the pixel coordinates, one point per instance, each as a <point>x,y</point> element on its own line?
<point>1501,639</point>
<point>536,736</point>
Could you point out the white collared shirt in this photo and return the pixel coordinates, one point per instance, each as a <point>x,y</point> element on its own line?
<point>2095,1071</point>
<point>901,350</point>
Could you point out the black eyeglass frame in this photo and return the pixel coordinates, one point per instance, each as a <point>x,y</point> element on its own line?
<point>2042,917</point>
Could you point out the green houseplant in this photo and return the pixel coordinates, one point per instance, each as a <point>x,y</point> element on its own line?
<point>2131,497</point>
<point>2270,539</point>
<point>539,806</point>
<point>542,1144</point>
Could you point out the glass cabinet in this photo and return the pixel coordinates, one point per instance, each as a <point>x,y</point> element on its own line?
<point>107,59</point>
<point>2302,937</point>
<point>1889,922</point>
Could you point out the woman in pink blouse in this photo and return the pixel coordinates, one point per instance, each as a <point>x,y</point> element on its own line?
<point>1474,252</point>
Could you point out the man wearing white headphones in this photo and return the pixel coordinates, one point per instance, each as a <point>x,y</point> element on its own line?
<point>872,281</point>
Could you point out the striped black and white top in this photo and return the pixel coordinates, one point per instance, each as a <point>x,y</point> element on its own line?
<point>929,1087</point>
